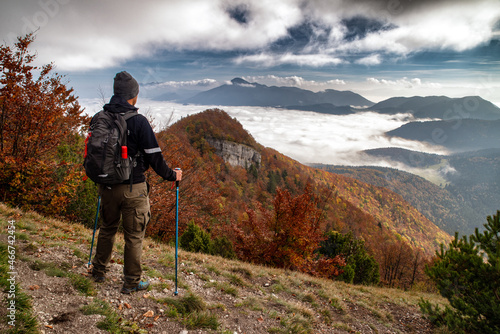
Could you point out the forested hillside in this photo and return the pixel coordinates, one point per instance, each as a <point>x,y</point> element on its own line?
<point>465,189</point>
<point>350,204</point>
<point>435,203</point>
<point>476,181</point>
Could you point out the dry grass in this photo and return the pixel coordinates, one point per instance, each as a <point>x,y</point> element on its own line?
<point>286,301</point>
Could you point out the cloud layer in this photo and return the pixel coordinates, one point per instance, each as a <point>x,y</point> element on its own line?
<point>308,137</point>
<point>82,35</point>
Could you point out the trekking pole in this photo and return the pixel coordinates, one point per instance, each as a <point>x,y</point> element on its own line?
<point>176,229</point>
<point>95,227</point>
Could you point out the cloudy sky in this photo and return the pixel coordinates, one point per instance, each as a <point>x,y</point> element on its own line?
<point>377,48</point>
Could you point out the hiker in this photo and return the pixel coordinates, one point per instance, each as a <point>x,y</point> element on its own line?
<point>129,201</point>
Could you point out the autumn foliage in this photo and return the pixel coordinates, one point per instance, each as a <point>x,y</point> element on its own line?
<point>287,236</point>
<point>198,197</point>
<point>37,115</point>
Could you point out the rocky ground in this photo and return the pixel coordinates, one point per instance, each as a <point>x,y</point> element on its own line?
<point>215,295</point>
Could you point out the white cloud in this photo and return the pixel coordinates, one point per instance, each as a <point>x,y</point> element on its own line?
<point>404,83</point>
<point>296,81</point>
<point>370,60</point>
<point>269,60</point>
<point>186,84</point>
<point>458,26</point>
<point>80,35</point>
<point>94,34</point>
<point>336,82</point>
<point>245,85</point>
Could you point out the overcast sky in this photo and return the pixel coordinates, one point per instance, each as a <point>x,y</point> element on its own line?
<point>377,48</point>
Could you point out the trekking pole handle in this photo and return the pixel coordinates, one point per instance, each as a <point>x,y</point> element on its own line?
<point>176,181</point>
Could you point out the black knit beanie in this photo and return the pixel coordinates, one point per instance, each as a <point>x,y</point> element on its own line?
<point>125,85</point>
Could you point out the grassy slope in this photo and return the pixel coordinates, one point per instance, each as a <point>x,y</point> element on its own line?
<point>231,296</point>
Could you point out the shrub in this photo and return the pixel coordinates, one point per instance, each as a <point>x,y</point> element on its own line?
<point>223,247</point>
<point>195,239</point>
<point>361,267</point>
<point>286,236</point>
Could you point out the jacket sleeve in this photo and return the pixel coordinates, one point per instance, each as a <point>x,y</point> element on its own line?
<point>152,151</point>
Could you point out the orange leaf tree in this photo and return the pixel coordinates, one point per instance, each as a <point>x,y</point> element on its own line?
<point>37,114</point>
<point>287,236</point>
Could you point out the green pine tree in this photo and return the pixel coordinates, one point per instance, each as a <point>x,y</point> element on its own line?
<point>195,239</point>
<point>468,275</point>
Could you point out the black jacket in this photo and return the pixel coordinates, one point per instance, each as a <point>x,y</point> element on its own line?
<point>141,138</point>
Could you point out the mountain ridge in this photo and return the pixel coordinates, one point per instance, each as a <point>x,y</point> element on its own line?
<point>440,107</point>
<point>458,135</point>
<point>243,93</point>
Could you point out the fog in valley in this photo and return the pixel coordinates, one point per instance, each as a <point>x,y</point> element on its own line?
<point>305,136</point>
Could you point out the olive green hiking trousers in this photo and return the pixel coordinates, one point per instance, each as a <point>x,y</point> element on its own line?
<point>132,209</point>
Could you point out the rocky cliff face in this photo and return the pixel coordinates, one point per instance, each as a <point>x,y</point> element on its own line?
<point>235,154</point>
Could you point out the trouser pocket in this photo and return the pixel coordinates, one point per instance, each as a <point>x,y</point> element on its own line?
<point>138,212</point>
<point>141,219</point>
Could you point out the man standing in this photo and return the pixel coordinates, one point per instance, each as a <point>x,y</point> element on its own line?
<point>124,202</point>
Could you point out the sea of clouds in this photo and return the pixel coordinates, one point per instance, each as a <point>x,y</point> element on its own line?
<point>307,137</point>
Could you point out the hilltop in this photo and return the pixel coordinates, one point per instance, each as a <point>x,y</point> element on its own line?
<point>215,295</point>
<point>459,135</point>
<point>440,107</point>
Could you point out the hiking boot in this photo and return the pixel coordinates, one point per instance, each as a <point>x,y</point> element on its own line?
<point>98,278</point>
<point>141,286</point>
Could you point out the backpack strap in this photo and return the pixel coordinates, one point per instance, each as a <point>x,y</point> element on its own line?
<point>129,114</point>
<point>126,116</point>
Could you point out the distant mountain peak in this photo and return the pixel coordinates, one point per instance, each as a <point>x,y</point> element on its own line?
<point>243,93</point>
<point>240,81</point>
